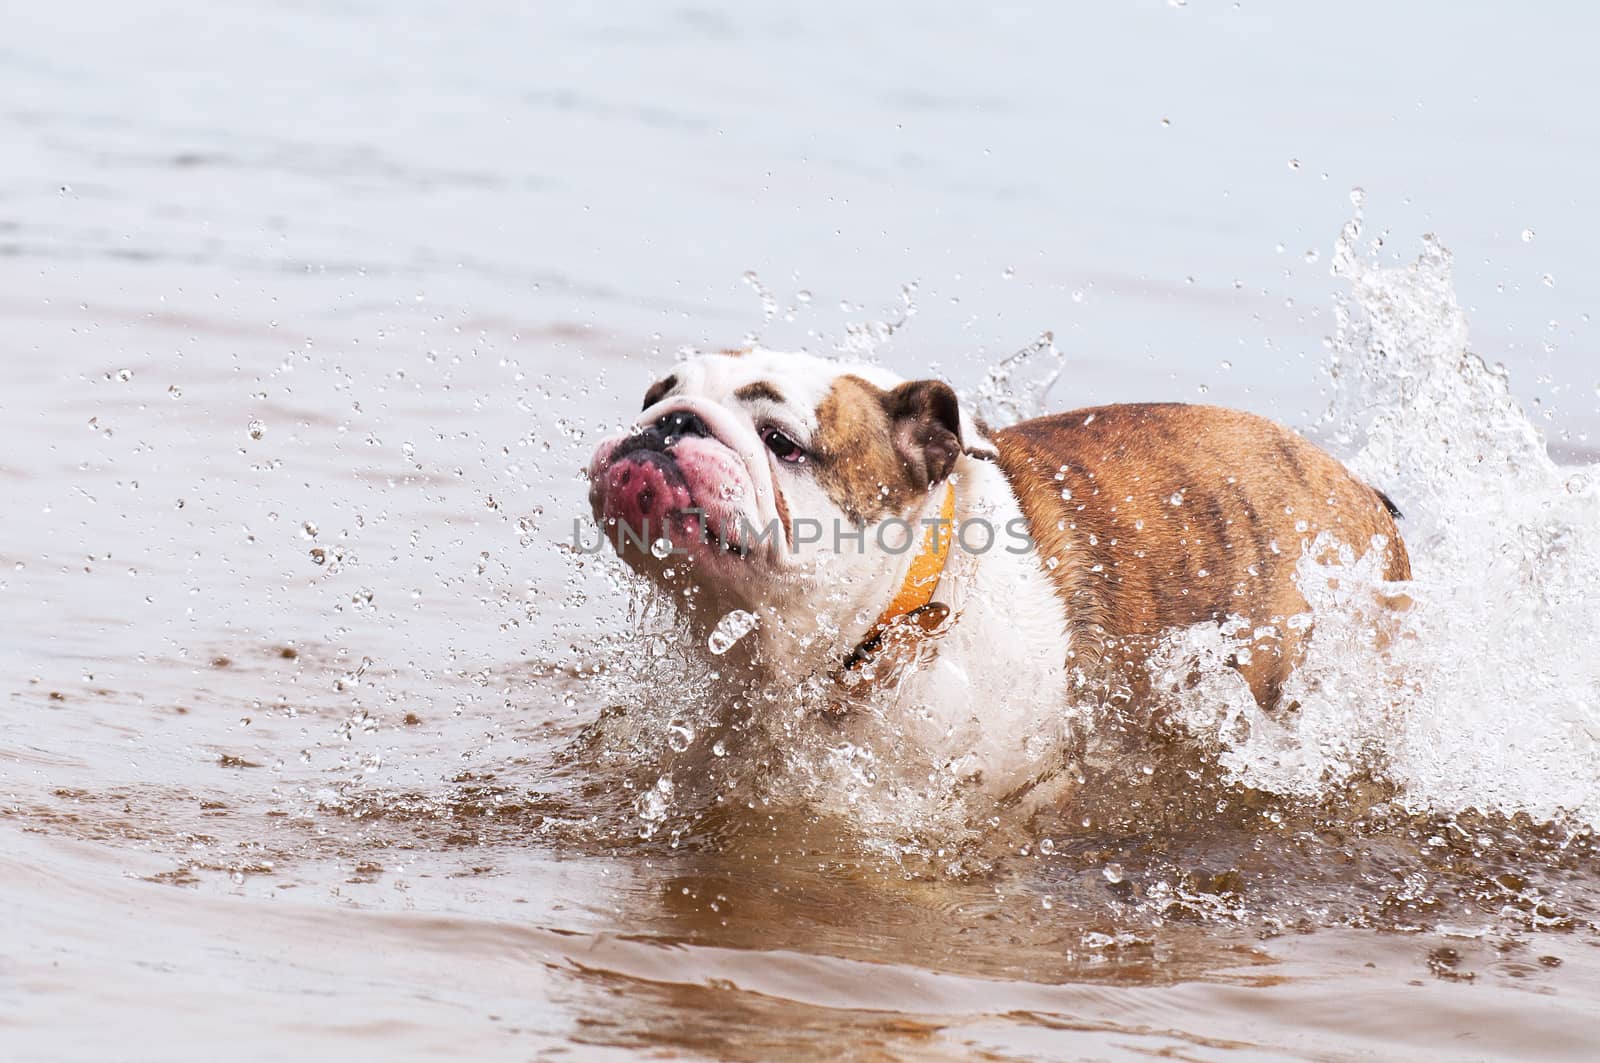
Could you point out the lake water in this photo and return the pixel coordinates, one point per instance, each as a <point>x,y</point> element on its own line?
<point>318,739</point>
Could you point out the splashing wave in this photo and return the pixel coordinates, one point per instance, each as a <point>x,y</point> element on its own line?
<point>1489,698</point>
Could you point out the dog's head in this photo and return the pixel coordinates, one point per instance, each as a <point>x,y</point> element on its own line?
<point>754,475</point>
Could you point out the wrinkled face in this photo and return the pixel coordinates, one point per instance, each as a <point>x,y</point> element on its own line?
<point>750,470</point>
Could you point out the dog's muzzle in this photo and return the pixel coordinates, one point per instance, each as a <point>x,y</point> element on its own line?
<point>662,436</point>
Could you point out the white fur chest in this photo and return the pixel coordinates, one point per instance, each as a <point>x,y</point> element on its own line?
<point>989,693</point>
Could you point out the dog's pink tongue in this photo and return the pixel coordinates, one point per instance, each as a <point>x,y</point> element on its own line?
<point>639,494</point>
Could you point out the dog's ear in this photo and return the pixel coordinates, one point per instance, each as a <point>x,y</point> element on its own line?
<point>925,423</point>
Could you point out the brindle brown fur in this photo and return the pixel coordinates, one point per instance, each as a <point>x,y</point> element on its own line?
<point>1131,565</point>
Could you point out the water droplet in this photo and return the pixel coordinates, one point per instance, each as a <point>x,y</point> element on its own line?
<point>654,804</point>
<point>1066,494</point>
<point>1176,499</point>
<point>1112,873</point>
<point>660,548</point>
<point>1008,273</point>
<point>1527,236</point>
<point>124,375</point>
<point>1549,280</point>
<point>256,429</point>
<point>1294,164</point>
<point>175,391</point>
<point>309,530</point>
<point>1047,846</point>
<point>769,302</point>
<point>1358,196</point>
<point>680,736</point>
<point>730,629</point>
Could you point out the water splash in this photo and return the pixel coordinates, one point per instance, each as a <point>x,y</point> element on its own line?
<point>863,338</point>
<point>769,301</point>
<point>1486,691</point>
<point>1018,386</point>
<point>729,630</point>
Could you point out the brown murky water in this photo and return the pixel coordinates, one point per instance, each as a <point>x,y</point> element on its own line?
<point>317,789</point>
<point>318,740</point>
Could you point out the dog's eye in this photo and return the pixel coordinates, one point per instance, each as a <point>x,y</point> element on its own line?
<point>782,446</point>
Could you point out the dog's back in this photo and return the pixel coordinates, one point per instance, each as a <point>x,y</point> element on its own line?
<point>1154,516</point>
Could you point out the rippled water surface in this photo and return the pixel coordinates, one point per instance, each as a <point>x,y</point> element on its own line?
<point>317,737</point>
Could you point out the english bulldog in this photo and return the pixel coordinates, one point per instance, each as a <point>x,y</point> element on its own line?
<point>895,566</point>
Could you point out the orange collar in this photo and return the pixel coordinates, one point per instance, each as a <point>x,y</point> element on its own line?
<point>915,597</point>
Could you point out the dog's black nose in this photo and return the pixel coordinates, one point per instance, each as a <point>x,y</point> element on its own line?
<point>681,423</point>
